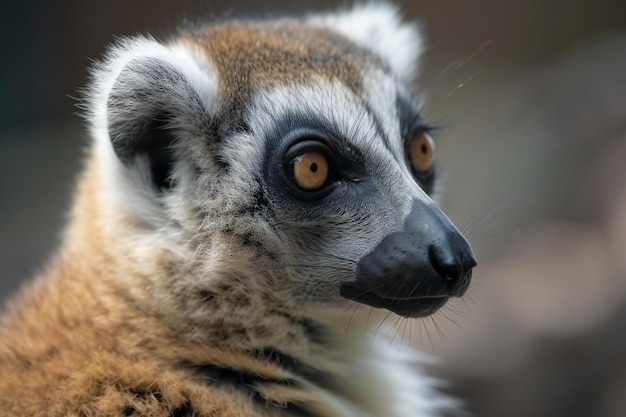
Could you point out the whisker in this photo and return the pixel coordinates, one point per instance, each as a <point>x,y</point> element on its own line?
<point>381,324</point>
<point>481,237</point>
<point>395,330</point>
<point>371,290</point>
<point>446,75</point>
<point>352,316</point>
<point>478,223</point>
<point>319,255</point>
<point>406,324</point>
<point>462,84</point>
<point>448,317</point>
<point>273,267</point>
<point>430,340</point>
<point>367,323</point>
<point>455,65</point>
<point>437,328</point>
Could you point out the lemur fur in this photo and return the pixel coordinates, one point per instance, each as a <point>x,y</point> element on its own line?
<point>253,191</point>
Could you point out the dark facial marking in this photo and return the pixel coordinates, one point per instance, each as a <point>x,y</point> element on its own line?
<point>411,124</point>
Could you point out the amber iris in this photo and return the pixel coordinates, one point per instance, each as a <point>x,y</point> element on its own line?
<point>310,171</point>
<point>422,152</point>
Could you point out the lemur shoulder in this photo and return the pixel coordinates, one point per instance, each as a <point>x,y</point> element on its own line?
<point>252,192</point>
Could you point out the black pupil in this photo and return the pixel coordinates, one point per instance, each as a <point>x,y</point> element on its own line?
<point>313,167</point>
<point>424,149</point>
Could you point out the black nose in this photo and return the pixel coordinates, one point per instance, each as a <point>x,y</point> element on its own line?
<point>453,260</point>
<point>414,271</point>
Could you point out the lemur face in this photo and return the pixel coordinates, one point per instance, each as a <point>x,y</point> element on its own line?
<point>284,157</point>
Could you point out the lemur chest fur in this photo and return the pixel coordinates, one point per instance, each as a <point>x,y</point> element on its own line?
<point>255,193</point>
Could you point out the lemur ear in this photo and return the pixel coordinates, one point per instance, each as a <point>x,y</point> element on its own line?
<point>379,28</point>
<point>146,96</point>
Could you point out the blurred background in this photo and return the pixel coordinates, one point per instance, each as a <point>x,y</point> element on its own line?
<point>531,99</point>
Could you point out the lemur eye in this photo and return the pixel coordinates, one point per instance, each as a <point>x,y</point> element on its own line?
<point>422,152</point>
<point>310,170</point>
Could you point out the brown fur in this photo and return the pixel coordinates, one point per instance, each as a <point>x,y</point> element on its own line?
<point>279,53</point>
<point>77,343</point>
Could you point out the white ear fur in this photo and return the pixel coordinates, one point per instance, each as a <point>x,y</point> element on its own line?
<point>378,27</point>
<point>195,69</point>
<point>127,185</point>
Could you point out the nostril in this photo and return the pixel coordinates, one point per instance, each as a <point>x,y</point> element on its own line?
<point>444,263</point>
<point>462,286</point>
<point>453,264</point>
<point>469,261</point>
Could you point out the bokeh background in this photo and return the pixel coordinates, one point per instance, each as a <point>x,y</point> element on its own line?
<point>530,96</point>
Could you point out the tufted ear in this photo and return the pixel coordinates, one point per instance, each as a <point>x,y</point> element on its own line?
<point>379,28</point>
<point>145,97</point>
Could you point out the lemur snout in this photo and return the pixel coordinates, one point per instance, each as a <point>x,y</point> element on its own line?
<point>414,271</point>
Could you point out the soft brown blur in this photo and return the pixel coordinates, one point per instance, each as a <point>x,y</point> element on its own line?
<point>530,96</point>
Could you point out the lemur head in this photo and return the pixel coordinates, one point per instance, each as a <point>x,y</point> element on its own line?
<point>283,158</point>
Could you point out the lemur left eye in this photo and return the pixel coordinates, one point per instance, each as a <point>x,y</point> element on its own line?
<point>310,170</point>
<point>422,152</point>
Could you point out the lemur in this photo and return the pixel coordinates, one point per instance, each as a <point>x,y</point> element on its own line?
<point>254,191</point>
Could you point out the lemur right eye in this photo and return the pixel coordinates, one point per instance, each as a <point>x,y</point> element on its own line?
<point>310,170</point>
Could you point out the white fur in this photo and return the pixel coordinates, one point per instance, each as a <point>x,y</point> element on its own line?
<point>378,375</point>
<point>126,187</point>
<point>378,27</point>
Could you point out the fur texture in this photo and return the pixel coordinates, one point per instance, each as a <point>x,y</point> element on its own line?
<point>192,280</point>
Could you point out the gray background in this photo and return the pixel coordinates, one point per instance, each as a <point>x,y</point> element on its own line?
<point>531,98</point>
